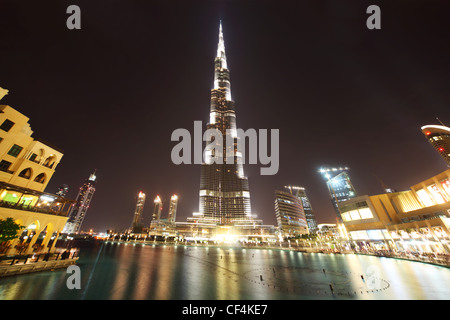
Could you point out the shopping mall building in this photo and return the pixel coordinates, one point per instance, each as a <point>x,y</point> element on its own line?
<point>414,220</point>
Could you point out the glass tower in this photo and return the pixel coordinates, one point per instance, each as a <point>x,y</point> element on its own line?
<point>136,225</point>
<point>78,211</point>
<point>173,209</point>
<point>339,186</point>
<point>300,193</point>
<point>290,214</point>
<point>224,191</point>
<point>439,138</point>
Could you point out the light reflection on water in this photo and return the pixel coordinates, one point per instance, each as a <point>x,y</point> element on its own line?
<point>134,271</point>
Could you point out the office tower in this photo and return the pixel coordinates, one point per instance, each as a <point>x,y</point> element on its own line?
<point>290,215</point>
<point>339,186</point>
<point>81,206</point>
<point>156,216</point>
<point>136,225</point>
<point>63,190</point>
<point>224,197</point>
<point>300,193</point>
<point>439,138</point>
<point>173,208</point>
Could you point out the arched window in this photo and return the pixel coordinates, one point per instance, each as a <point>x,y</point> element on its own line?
<point>25,173</point>
<point>50,161</point>
<point>40,178</point>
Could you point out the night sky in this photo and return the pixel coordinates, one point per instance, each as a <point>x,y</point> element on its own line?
<point>111,94</point>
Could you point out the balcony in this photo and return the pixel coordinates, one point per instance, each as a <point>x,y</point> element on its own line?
<point>18,198</point>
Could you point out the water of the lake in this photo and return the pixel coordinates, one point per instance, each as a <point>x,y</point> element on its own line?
<point>119,271</point>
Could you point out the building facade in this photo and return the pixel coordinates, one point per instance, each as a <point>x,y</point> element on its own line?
<point>300,193</point>
<point>25,162</point>
<point>173,209</point>
<point>156,216</point>
<point>439,138</point>
<point>26,167</point>
<point>136,225</point>
<point>414,220</point>
<point>289,213</point>
<point>224,196</point>
<point>339,186</point>
<point>81,206</point>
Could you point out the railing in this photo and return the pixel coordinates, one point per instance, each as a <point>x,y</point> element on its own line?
<point>19,264</point>
<point>6,204</point>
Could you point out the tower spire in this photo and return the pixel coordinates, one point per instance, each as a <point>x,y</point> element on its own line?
<point>222,74</point>
<point>221,48</point>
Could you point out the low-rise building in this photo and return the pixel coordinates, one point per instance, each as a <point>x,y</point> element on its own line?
<point>414,220</point>
<point>26,166</point>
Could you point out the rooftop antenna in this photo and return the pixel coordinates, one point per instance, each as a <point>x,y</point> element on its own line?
<point>440,121</point>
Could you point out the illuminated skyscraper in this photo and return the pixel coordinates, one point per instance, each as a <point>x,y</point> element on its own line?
<point>224,191</point>
<point>136,225</point>
<point>439,138</point>
<point>289,213</point>
<point>78,211</point>
<point>173,208</point>
<point>300,193</point>
<point>339,186</point>
<point>156,216</point>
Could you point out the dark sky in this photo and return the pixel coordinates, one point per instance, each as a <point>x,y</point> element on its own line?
<point>111,94</point>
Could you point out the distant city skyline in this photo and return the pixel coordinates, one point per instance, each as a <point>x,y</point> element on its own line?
<point>109,95</point>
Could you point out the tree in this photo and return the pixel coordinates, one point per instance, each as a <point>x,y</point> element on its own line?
<point>8,230</point>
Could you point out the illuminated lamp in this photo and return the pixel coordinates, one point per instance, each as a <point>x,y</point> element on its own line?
<point>441,149</point>
<point>428,133</point>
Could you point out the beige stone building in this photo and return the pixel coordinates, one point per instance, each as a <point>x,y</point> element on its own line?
<point>26,167</point>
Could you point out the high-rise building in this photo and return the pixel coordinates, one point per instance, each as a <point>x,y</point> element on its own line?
<point>173,208</point>
<point>339,186</point>
<point>224,190</point>
<point>290,215</point>
<point>300,193</point>
<point>439,138</point>
<point>78,211</point>
<point>156,216</point>
<point>136,225</point>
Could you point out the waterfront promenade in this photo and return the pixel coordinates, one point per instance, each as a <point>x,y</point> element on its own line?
<point>21,264</point>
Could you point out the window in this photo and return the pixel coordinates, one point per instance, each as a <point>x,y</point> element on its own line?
<point>25,173</point>
<point>15,150</point>
<point>365,213</point>
<point>33,157</point>
<point>437,195</point>
<point>6,125</point>
<point>4,166</point>
<point>40,178</point>
<point>425,198</point>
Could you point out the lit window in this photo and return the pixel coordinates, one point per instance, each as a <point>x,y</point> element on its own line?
<point>346,216</point>
<point>354,214</point>
<point>365,213</point>
<point>424,198</point>
<point>436,193</point>
<point>446,185</point>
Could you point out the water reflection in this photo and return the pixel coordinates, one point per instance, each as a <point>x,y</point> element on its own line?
<point>133,271</point>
